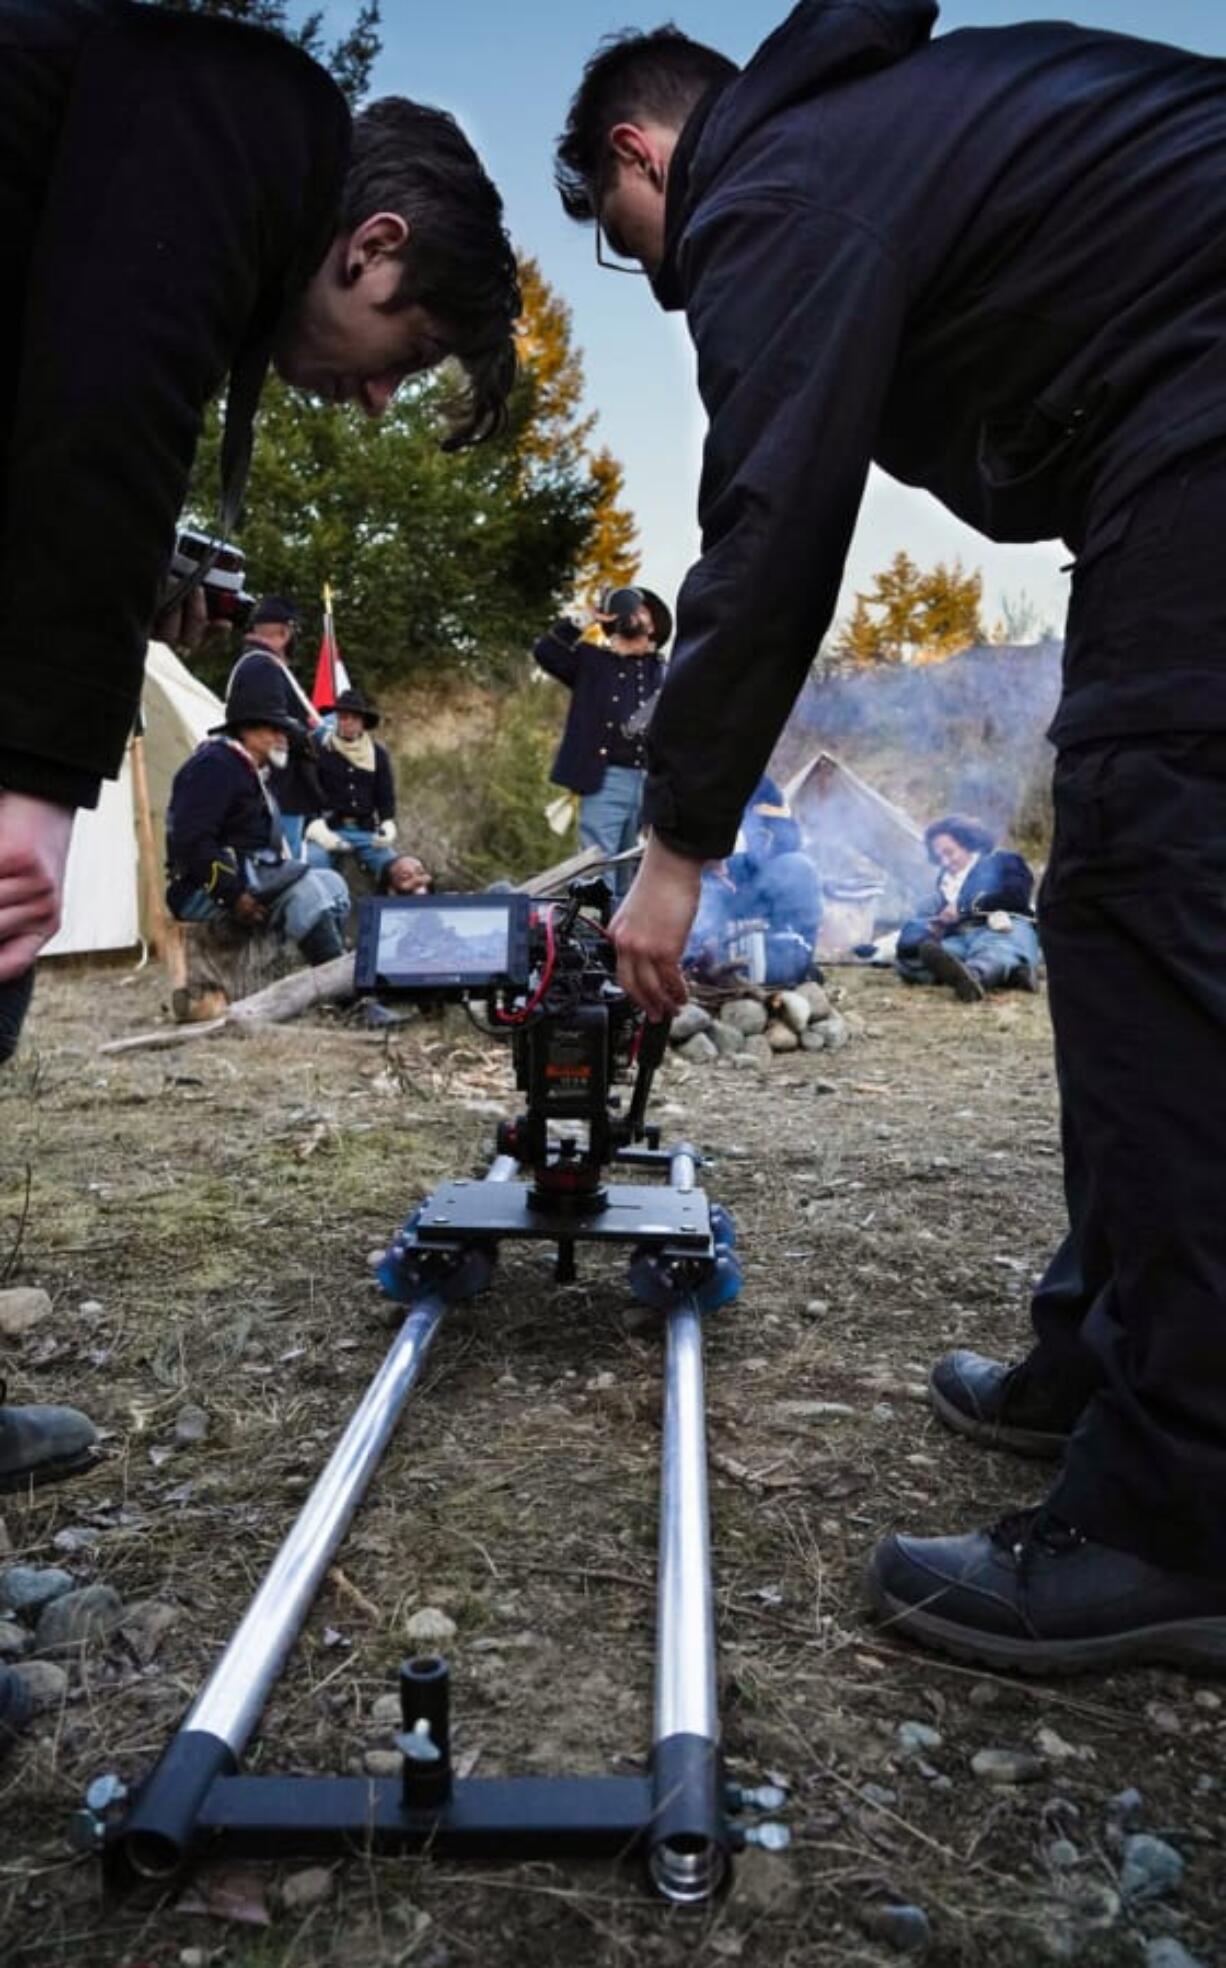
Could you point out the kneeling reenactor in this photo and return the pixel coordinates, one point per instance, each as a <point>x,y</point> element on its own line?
<point>225,847</point>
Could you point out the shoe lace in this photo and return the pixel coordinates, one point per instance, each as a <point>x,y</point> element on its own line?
<point>1021,1533</point>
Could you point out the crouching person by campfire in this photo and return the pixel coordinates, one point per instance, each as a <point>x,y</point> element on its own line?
<point>358,792</point>
<point>761,909</point>
<point>226,850</point>
<point>976,932</point>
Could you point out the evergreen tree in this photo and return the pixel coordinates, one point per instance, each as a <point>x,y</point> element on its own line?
<point>912,616</point>
<point>350,59</point>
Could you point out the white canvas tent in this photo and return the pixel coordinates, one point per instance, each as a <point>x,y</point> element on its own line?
<point>103,896</point>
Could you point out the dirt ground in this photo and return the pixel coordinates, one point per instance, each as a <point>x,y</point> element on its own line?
<point>203,1218</point>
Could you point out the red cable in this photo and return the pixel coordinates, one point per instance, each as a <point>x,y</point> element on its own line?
<point>551,951</point>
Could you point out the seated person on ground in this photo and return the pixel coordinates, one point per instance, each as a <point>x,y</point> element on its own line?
<point>976,931</point>
<point>358,795</point>
<point>225,847</point>
<point>769,889</point>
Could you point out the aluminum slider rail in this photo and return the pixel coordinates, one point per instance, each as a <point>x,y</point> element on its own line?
<point>158,1832</point>
<point>688,1844</point>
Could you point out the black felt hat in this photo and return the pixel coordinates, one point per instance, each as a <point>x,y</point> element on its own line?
<point>271,608</point>
<point>353,700</point>
<point>252,702</point>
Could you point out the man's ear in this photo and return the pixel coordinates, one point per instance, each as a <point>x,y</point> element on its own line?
<point>636,149</point>
<point>382,236</point>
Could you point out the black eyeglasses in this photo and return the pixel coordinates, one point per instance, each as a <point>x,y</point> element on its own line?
<point>614,266</point>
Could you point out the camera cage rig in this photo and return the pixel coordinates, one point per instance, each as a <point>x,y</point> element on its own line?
<point>573,1033</point>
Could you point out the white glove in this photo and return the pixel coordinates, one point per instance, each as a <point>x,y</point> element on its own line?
<point>321,835</point>
<point>1001,920</point>
<point>386,832</point>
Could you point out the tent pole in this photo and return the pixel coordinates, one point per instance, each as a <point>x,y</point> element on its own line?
<point>155,908</point>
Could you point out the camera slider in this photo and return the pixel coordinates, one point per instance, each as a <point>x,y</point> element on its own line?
<point>682,1818</point>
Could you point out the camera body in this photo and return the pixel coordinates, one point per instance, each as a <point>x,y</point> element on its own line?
<point>624,605</point>
<point>218,570</point>
<point>545,971</point>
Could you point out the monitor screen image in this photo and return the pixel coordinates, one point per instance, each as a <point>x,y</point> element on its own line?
<point>439,941</point>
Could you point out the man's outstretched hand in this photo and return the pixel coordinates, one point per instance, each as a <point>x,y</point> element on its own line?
<point>34,840</point>
<point>651,927</point>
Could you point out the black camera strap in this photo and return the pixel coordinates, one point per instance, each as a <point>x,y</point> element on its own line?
<point>237,441</point>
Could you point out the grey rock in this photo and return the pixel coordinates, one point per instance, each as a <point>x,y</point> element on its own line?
<point>813,1039</point>
<point>836,1030</point>
<point>430,1625</point>
<point>385,1712</point>
<point>878,1794</point>
<point>191,1426</point>
<point>914,1738</point>
<point>795,1010</point>
<point>77,1619</point>
<point>14,1640</point>
<point>903,1928</point>
<point>28,1588</point>
<point>383,1762</point>
<point>1169,1953</point>
<point>145,1626</point>
<point>22,1308</point>
<point>781,1037</point>
<point>725,1038</point>
<point>1151,1868</point>
<point>690,1019</point>
<point>77,1537</point>
<point>45,1682</point>
<point>1063,1854</point>
<point>1007,1766</point>
<point>1126,1806</point>
<point>698,1051</point>
<point>816,999</point>
<point>757,1050</point>
<point>303,1890</point>
<point>745,1015</point>
<point>816,1308</point>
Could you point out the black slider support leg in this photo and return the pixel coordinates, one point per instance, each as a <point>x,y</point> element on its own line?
<point>425,1744</point>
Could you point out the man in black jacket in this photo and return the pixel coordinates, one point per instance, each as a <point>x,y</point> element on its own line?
<point>182,201</point>
<point>612,685</point>
<point>995,263</point>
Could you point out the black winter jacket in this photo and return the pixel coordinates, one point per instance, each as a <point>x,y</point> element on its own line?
<point>167,184</point>
<point>349,796</point>
<point>218,814</point>
<point>604,689</point>
<point>996,264</point>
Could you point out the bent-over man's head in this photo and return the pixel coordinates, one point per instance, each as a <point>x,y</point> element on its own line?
<point>637,94</point>
<point>420,269</point>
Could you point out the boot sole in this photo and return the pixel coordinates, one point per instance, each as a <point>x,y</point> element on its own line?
<point>1195,1644</point>
<point>49,1472</point>
<point>1036,1444</point>
<point>949,969</point>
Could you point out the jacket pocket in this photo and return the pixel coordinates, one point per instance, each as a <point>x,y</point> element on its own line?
<point>1021,460</point>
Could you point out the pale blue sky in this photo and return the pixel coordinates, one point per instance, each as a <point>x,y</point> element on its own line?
<point>508,73</point>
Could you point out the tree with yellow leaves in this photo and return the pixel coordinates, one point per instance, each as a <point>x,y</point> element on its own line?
<point>910,615</point>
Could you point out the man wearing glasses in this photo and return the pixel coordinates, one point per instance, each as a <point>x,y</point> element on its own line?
<point>995,264</point>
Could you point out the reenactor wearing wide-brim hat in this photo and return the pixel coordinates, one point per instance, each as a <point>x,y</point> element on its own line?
<point>358,800</point>
<point>225,845</point>
<point>613,685</point>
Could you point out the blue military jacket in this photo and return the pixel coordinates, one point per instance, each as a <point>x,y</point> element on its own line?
<point>605,689</point>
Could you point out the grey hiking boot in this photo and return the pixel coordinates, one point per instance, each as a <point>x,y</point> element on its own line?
<point>43,1445</point>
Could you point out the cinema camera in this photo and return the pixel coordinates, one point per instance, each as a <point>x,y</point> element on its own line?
<point>544,970</point>
<point>218,570</point>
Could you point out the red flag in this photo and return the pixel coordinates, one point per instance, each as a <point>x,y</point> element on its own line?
<point>331,676</point>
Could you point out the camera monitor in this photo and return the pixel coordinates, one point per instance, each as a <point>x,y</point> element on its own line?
<point>450,944</point>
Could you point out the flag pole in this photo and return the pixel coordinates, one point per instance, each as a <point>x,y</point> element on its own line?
<point>330,638</point>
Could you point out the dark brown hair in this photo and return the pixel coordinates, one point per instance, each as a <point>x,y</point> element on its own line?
<point>459,262</point>
<point>661,76</point>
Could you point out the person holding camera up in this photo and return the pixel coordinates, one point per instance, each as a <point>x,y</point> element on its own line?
<point>185,201</point>
<point>994,262</point>
<point>613,684</point>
